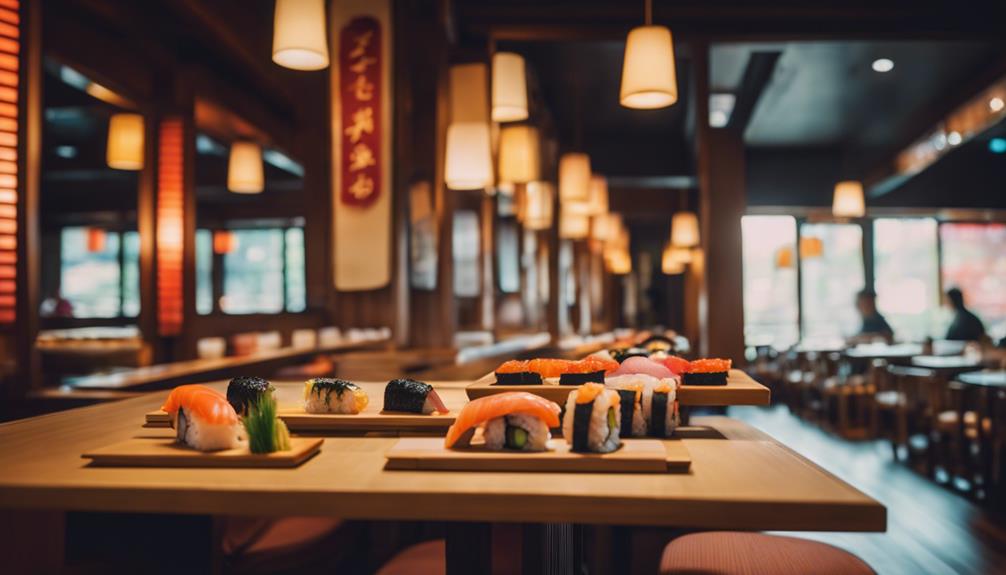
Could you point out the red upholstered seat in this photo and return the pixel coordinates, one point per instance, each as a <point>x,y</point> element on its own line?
<point>266,545</point>
<point>737,553</point>
<point>428,558</point>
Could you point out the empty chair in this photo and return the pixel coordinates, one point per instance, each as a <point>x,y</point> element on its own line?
<point>737,553</point>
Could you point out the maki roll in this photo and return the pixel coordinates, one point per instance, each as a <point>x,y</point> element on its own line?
<point>331,395</point>
<point>592,419</point>
<point>204,419</point>
<point>584,371</point>
<point>707,372</point>
<point>660,408</point>
<point>550,370</point>
<point>244,391</point>
<point>513,420</point>
<point>630,393</point>
<point>412,396</point>
<point>516,372</point>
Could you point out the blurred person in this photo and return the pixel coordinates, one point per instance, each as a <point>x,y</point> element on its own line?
<point>966,326</point>
<point>874,325</point>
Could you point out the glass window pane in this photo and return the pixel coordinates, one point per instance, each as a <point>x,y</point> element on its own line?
<point>770,298</point>
<point>296,285</point>
<point>466,254</point>
<point>253,273</point>
<point>831,268</point>
<point>89,280</point>
<point>131,274</point>
<point>905,263</point>
<point>204,272</point>
<point>507,251</point>
<point>974,260</point>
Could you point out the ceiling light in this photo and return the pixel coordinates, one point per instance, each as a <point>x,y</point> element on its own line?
<point>244,170</point>
<point>883,65</point>
<point>518,154</point>
<point>848,201</point>
<point>509,88</point>
<point>997,145</point>
<point>469,163</point>
<point>125,142</point>
<point>574,177</point>
<point>996,104</point>
<point>538,202</point>
<point>298,40</point>
<point>685,230</point>
<point>954,138</point>
<point>649,79</point>
<point>573,226</point>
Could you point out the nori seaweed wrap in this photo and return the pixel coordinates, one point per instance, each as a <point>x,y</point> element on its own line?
<point>581,378</point>
<point>406,395</point>
<point>247,390</point>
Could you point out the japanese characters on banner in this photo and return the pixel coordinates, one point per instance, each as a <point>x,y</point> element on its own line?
<point>359,71</point>
<point>361,144</point>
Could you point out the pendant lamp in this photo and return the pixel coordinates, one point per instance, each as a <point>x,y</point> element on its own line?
<point>299,39</point>
<point>574,177</point>
<point>224,242</point>
<point>537,211</point>
<point>685,230</point>
<point>509,102</point>
<point>678,255</point>
<point>125,142</point>
<point>244,170</point>
<point>519,154</point>
<point>469,163</point>
<point>669,263</point>
<point>649,79</point>
<point>573,226</point>
<point>848,201</point>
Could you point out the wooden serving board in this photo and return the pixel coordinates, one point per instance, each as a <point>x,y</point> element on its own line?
<point>739,390</point>
<point>635,456</point>
<point>370,419</point>
<point>167,452</point>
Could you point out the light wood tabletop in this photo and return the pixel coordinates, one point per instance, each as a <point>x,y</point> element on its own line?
<point>740,479</point>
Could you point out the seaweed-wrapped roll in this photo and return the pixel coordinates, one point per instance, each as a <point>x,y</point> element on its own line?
<point>660,408</point>
<point>412,396</point>
<point>245,391</point>
<point>332,395</point>
<point>630,393</point>
<point>592,419</point>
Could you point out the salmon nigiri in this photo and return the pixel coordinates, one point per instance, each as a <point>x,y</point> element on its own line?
<point>203,418</point>
<point>516,420</point>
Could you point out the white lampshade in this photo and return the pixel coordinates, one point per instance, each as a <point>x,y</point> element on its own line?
<point>538,206</point>
<point>678,255</point>
<point>848,201</point>
<point>469,84</point>
<point>604,227</point>
<point>299,37</point>
<point>509,88</point>
<point>573,226</point>
<point>469,164</point>
<point>619,262</point>
<point>649,79</point>
<point>244,171</point>
<point>685,230</point>
<point>597,202</point>
<point>574,177</point>
<point>125,142</point>
<point>519,154</point>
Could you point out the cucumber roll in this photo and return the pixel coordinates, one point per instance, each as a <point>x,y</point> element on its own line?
<point>630,393</point>
<point>591,421</point>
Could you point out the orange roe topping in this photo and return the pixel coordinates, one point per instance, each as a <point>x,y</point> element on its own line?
<point>549,367</point>
<point>513,366</point>
<point>588,392</point>
<point>709,366</point>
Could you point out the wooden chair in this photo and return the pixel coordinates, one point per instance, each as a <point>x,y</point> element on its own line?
<point>899,406</point>
<point>737,553</point>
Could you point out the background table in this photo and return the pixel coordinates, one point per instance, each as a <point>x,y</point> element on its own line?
<point>988,378</point>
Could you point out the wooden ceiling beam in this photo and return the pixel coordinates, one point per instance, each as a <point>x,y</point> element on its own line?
<point>757,74</point>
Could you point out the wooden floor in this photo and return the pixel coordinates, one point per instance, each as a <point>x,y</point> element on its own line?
<point>930,529</point>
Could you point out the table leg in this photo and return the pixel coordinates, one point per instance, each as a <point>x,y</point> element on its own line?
<point>469,548</point>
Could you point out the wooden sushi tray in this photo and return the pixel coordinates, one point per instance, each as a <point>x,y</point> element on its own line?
<point>739,390</point>
<point>370,419</point>
<point>635,456</point>
<point>165,451</point>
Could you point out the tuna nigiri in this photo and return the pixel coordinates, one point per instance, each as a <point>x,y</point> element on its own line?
<point>644,365</point>
<point>203,418</point>
<point>515,420</point>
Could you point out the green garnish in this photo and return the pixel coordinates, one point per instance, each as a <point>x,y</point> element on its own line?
<point>611,422</point>
<point>516,437</point>
<point>266,432</point>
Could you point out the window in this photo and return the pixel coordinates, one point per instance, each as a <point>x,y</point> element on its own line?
<point>770,298</point>
<point>508,256</point>
<point>974,260</point>
<point>263,271</point>
<point>831,268</point>
<point>465,247</point>
<point>906,275</point>
<point>99,272</point>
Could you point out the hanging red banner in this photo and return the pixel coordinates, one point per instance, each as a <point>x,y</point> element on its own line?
<point>360,79</point>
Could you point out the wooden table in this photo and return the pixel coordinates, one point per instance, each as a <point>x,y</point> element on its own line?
<point>987,378</point>
<point>172,374</point>
<point>884,351</point>
<point>947,365</point>
<point>740,479</point>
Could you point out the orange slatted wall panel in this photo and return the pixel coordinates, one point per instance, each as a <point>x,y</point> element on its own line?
<point>170,226</point>
<point>10,51</point>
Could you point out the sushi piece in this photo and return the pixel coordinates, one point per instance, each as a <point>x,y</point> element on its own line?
<point>591,421</point>
<point>660,408</point>
<point>707,372</point>
<point>516,372</point>
<point>644,365</point>
<point>630,393</point>
<point>583,371</point>
<point>550,370</point>
<point>331,395</point>
<point>203,418</point>
<point>620,355</point>
<point>412,396</point>
<point>242,391</point>
<point>511,420</point>
<point>676,364</point>
<point>266,431</point>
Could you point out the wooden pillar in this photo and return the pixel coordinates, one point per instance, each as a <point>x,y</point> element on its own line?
<point>722,201</point>
<point>487,311</point>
